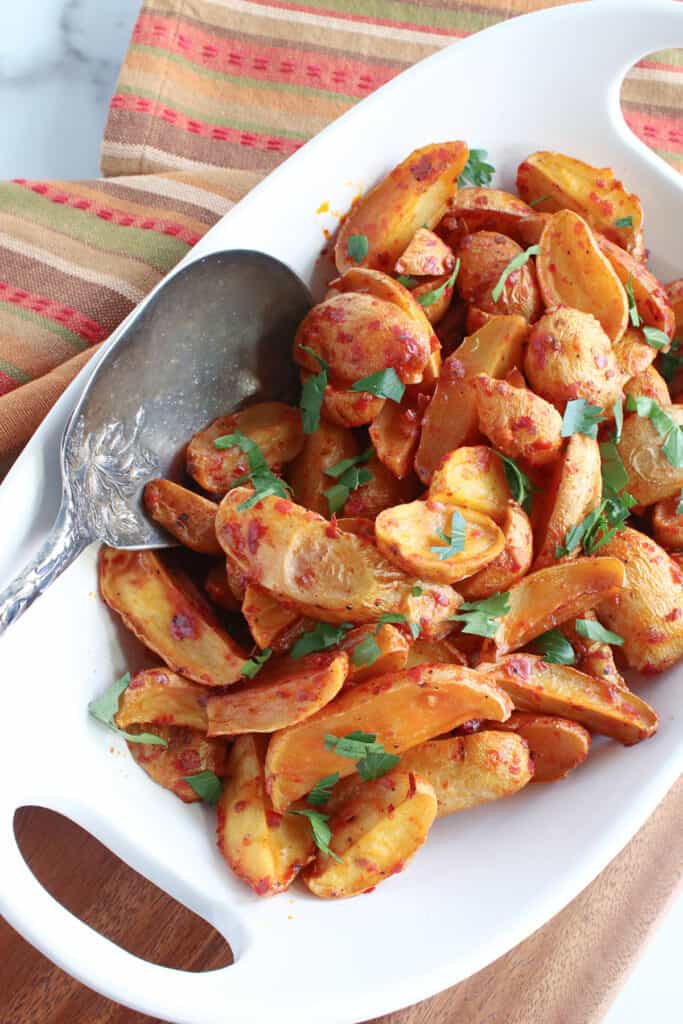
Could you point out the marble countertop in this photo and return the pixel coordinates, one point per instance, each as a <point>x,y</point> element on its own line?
<point>64,55</point>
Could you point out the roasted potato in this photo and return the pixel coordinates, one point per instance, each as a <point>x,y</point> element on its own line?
<point>425,255</point>
<point>650,383</point>
<point>483,258</point>
<point>651,477</point>
<point>491,209</point>
<point>382,490</point>
<point>349,408</point>
<point>265,849</point>
<point>516,421</point>
<point>324,448</point>
<point>391,654</point>
<point>594,657</point>
<point>218,590</point>
<point>632,353</point>
<point>651,300</point>
<point>396,432</point>
<point>169,616</point>
<point>188,752</point>
<point>275,427</point>
<point>381,286</point>
<point>412,196</point>
<point>667,523</point>
<point>271,623</point>
<point>435,295</point>
<point>648,612</point>
<point>572,271</point>
<point>570,356</point>
<point>434,652</point>
<point>510,565</point>
<point>474,477</point>
<point>403,709</point>
<point>557,745</point>
<point>156,696</point>
<point>189,517</point>
<point>573,491</point>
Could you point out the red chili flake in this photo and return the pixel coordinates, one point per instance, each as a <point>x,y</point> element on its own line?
<point>522,423</point>
<point>183,627</point>
<point>422,168</point>
<point>262,887</point>
<point>521,666</point>
<point>412,786</point>
<point>332,530</point>
<point>240,806</point>
<point>674,614</point>
<point>255,531</point>
<point>273,819</point>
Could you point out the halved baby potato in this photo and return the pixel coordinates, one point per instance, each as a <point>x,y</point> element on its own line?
<point>632,353</point>
<point>473,476</point>
<point>396,433</point>
<point>573,491</point>
<point>157,696</point>
<point>651,384</point>
<point>188,516</point>
<point>492,209</point>
<point>557,745</point>
<point>667,523</point>
<point>650,297</point>
<point>510,565</point>
<point>651,477</point>
<point>518,422</point>
<point>187,752</point>
<point>322,449</point>
<point>425,255</point>
<point>272,623</point>
<point>484,256</point>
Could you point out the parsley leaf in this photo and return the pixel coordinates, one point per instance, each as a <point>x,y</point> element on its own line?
<point>578,534</point>
<point>357,247</point>
<point>322,636</point>
<point>373,761</point>
<point>375,765</point>
<point>656,338</point>
<point>554,647</point>
<point>663,423</point>
<point>521,487</point>
<point>594,631</point>
<point>670,363</point>
<point>632,307</point>
<point>581,418</point>
<point>609,516</point>
<point>476,171</point>
<point>454,541</point>
<point>407,280</point>
<point>313,392</point>
<point>349,476</point>
<point>541,199</point>
<point>322,790</point>
<point>103,709</point>
<point>614,475</point>
<point>429,298</point>
<point>394,617</point>
<point>384,384</point>
<point>320,829</point>
<point>206,785</point>
<point>618,412</point>
<point>679,504</point>
<point>254,665</point>
<point>264,481</point>
<point>417,591</point>
<point>367,651</point>
<point>624,222</point>
<point>515,263</point>
<point>481,618</point>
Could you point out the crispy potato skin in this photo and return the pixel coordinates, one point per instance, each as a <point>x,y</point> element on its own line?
<point>373,282</point>
<point>434,652</point>
<point>275,427</point>
<point>648,612</point>
<point>413,194</point>
<point>651,477</point>
<point>271,623</point>
<point>396,432</point>
<point>189,517</point>
<point>510,565</point>
<point>632,353</point>
<point>157,696</point>
<point>265,849</point>
<point>450,419</point>
<point>425,255</point>
<point>516,421</point>
<point>327,446</point>
<point>218,590</point>
<point>573,491</point>
<point>491,209</point>
<point>538,686</point>
<point>570,356</point>
<point>651,299</point>
<point>650,383</point>
<point>466,771</point>
<point>188,753</point>
<point>473,476</point>
<point>435,311</point>
<point>572,271</point>
<point>668,524</point>
<point>592,657</point>
<point>169,616</point>
<point>375,832</point>
<point>557,745</point>
<point>403,709</point>
<point>380,492</point>
<point>483,258</point>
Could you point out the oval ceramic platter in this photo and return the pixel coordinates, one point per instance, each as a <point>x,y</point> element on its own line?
<point>486,879</point>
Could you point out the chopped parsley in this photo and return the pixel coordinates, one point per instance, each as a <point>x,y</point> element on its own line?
<point>320,829</point>
<point>372,760</point>
<point>581,418</point>
<point>206,785</point>
<point>322,790</point>
<point>633,313</point>
<point>554,647</point>
<point>103,709</point>
<point>357,247</point>
<point>349,475</point>
<point>663,423</point>
<point>539,200</point>
<point>429,298</point>
<point>515,263</point>
<point>624,222</point>
<point>594,631</point>
<point>609,516</point>
<point>670,363</point>
<point>656,338</point>
<point>482,618</point>
<point>254,665</point>
<point>383,384</point>
<point>618,412</point>
<point>454,542</point>
<point>323,636</point>
<point>521,487</point>
<point>265,482</point>
<point>679,504</point>
<point>313,392</point>
<point>476,171</point>
<point>407,280</point>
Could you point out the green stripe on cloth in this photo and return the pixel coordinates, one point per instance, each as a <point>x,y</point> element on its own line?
<point>14,372</point>
<point>413,14</point>
<point>60,330</point>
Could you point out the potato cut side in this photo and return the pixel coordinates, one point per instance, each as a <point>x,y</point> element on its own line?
<point>396,432</point>
<point>403,709</point>
<point>510,565</point>
<point>381,491</point>
<point>271,623</point>
<point>349,408</point>
<point>327,446</point>
<point>435,295</point>
<point>434,652</point>
<point>414,194</point>
<point>188,753</point>
<point>169,616</point>
<point>414,536</point>
<point>484,257</point>
<point>473,476</point>
<point>651,477</point>
<point>667,524</point>
<point>374,282</point>
<point>156,696</point>
<point>518,422</point>
<point>557,745</point>
<point>491,209</point>
<point>466,771</point>
<point>632,353</point>
<point>265,849</point>
<point>188,516</point>
<point>275,427</point>
<point>650,383</point>
<point>389,655</point>
<point>538,686</point>
<point>592,656</point>
<point>573,491</point>
<point>650,296</point>
<point>375,833</point>
<point>281,694</point>
<point>426,254</point>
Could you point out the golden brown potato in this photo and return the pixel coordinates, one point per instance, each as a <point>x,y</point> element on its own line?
<point>510,565</point>
<point>156,696</point>
<point>382,491</point>
<point>450,419</point>
<point>358,526</point>
<point>632,353</point>
<point>474,477</point>
<point>437,294</point>
<point>283,693</point>
<point>169,616</point>
<point>557,745</point>
<point>553,181</point>
<point>374,835</point>
<point>403,709</point>
<point>324,572</point>
<point>218,590</point>
<point>413,195</point>
<point>392,645</point>
<point>381,286</point>
<point>650,297</point>
<point>275,427</point>
<point>539,686</point>
<point>188,752</point>
<point>396,432</point>
<point>550,596</point>
<point>651,477</point>
<point>573,491</point>
<point>327,446</point>
<point>572,271</point>
<point>434,652</point>
<point>483,258</point>
<point>593,657</point>
<point>189,517</point>
<point>649,611</point>
<point>265,849</point>
<point>425,255</point>
<point>516,421</point>
<point>570,356</point>
<point>668,524</point>
<point>408,534</point>
<point>491,209</point>
<point>649,383</point>
<point>271,623</point>
<point>349,408</point>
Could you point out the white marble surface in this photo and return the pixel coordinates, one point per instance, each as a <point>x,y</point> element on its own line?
<point>59,60</point>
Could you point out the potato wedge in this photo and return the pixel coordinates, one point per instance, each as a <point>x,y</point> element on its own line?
<point>327,446</point>
<point>484,256</point>
<point>393,647</point>
<point>425,255</point>
<point>573,491</point>
<point>331,575</point>
<point>403,709</point>
<point>467,771</point>
<point>570,356</point>
<point>189,752</point>
<point>649,611</point>
<point>265,849</point>
<point>651,477</point>
<point>434,652</point>
<point>409,534</point>
<point>546,598</point>
<point>650,297</point>
<point>572,271</point>
<point>668,524</point>
<point>518,422</point>
<point>375,833</point>
<point>359,526</point>
<point>275,427</point>
<point>473,477</point>
<point>169,616</point>
<point>557,745</point>
<point>188,516</point>
<point>434,294</point>
<point>414,194</point>
<point>539,686</point>
<point>476,318</point>
<point>592,656</point>
<point>218,590</point>
<point>650,383</point>
<point>156,696</point>
<point>396,432</point>
<point>491,209</point>
<point>382,491</point>
<point>510,565</point>
<point>632,353</point>
<point>271,623</point>
<point>553,181</point>
<point>450,419</point>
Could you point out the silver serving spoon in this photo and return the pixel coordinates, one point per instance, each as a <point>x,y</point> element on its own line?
<point>218,332</point>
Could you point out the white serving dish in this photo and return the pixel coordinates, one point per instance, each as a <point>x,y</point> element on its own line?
<point>485,880</point>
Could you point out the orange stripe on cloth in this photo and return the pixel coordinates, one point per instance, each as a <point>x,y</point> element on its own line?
<point>76,322</point>
<point>656,130</point>
<point>452,33</point>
